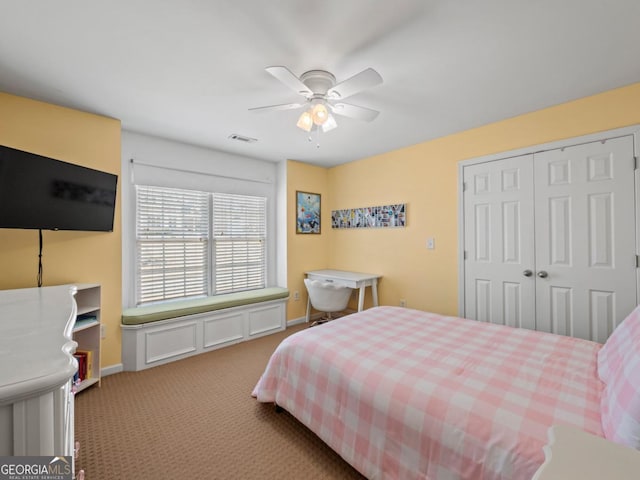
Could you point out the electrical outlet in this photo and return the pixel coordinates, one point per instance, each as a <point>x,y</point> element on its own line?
<point>296,296</point>
<point>403,302</point>
<point>431,243</point>
<point>103,330</point>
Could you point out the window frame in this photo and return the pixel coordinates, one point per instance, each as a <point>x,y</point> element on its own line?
<point>266,240</point>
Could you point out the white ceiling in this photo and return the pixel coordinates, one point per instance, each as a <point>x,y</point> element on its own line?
<point>188,70</point>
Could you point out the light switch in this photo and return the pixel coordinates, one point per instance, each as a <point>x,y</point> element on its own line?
<point>431,243</point>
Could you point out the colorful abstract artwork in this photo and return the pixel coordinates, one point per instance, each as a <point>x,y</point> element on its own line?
<point>307,212</point>
<point>370,217</point>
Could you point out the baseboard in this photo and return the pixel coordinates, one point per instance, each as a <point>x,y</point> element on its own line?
<point>296,321</point>
<point>111,369</point>
<point>315,316</point>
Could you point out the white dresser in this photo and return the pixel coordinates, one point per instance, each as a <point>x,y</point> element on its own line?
<point>573,454</point>
<point>36,371</point>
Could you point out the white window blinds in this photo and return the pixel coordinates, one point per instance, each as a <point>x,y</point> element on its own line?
<point>239,242</point>
<point>183,246</point>
<point>172,235</point>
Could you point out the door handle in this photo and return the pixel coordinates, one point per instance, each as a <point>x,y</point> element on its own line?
<point>543,274</point>
<point>527,273</point>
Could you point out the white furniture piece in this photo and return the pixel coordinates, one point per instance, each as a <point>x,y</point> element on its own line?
<point>327,297</point>
<point>573,454</point>
<point>87,332</point>
<point>36,371</point>
<point>348,279</point>
<point>146,345</point>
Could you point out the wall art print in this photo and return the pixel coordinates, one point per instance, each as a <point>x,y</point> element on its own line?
<point>307,212</point>
<point>370,217</point>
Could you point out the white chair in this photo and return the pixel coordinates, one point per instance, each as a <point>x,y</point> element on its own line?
<point>327,297</point>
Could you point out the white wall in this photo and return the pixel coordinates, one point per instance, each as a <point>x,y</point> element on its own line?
<point>281,231</point>
<point>151,160</point>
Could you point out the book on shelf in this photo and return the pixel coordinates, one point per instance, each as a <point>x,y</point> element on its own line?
<point>89,360</point>
<point>82,367</point>
<point>85,365</point>
<point>85,319</point>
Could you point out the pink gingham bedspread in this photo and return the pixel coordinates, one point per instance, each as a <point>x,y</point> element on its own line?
<point>404,394</point>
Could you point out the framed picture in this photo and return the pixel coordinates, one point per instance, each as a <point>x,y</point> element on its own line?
<point>307,212</point>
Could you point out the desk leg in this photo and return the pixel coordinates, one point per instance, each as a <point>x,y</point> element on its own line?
<point>361,298</point>
<point>374,292</point>
<point>308,314</point>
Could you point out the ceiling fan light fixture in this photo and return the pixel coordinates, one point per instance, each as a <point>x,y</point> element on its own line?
<point>319,113</point>
<point>330,124</point>
<point>305,122</point>
<point>320,92</point>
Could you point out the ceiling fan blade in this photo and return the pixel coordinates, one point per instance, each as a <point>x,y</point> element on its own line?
<point>354,111</point>
<point>272,108</point>
<point>361,81</point>
<point>289,79</point>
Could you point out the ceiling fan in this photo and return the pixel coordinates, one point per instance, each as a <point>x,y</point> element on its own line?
<point>323,96</point>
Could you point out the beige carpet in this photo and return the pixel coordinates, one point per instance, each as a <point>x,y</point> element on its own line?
<point>196,419</point>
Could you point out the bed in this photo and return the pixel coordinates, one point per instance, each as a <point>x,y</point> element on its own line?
<point>406,394</point>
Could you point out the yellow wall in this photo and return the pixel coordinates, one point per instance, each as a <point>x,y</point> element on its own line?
<point>305,251</point>
<point>68,257</point>
<point>424,176</point>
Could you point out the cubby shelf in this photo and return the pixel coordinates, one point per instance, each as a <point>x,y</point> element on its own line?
<point>87,331</point>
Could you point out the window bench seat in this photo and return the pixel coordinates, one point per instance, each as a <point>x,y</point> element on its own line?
<point>161,333</point>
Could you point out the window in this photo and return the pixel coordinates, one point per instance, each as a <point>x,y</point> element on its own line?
<point>239,237</point>
<point>192,243</point>
<point>172,236</point>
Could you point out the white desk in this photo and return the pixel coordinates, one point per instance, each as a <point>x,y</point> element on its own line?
<point>574,454</point>
<point>348,279</point>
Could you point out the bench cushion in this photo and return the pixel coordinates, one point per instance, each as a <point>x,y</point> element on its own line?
<point>180,308</point>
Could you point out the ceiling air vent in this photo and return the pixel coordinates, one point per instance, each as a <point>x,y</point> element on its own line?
<point>242,138</point>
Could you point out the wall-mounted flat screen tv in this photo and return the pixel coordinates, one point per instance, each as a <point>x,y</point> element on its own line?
<point>42,193</point>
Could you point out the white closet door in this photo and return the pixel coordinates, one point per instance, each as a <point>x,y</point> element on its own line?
<point>498,225</point>
<point>585,238</point>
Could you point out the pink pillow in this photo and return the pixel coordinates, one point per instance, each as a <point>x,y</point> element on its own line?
<point>619,370</point>
<point>619,345</point>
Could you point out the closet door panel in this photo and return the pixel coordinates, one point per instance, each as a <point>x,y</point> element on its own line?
<point>498,206</point>
<point>560,242</point>
<point>585,238</point>
<point>560,310</point>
